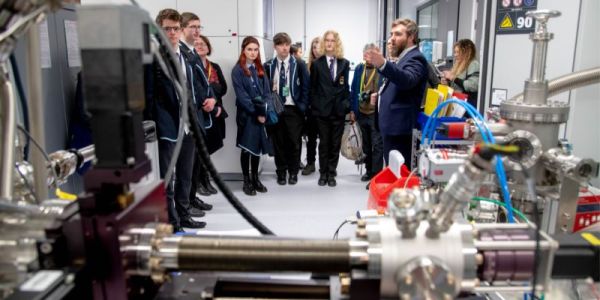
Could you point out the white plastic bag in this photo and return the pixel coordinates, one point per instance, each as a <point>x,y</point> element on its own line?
<point>352,142</point>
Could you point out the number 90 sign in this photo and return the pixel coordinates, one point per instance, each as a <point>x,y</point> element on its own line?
<point>524,22</point>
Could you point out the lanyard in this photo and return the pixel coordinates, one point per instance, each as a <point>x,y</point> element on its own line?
<point>209,69</point>
<point>362,79</point>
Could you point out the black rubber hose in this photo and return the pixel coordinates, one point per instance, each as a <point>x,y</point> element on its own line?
<point>204,158</point>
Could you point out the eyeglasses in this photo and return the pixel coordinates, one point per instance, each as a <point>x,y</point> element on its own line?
<point>196,27</point>
<point>201,45</point>
<point>174,29</point>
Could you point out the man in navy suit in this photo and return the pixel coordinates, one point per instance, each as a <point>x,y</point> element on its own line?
<point>162,106</point>
<point>402,91</point>
<point>290,81</point>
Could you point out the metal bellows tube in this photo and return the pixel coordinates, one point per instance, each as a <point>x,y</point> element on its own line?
<point>568,82</point>
<point>194,253</point>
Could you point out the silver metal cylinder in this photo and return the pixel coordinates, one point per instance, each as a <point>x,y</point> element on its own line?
<point>88,153</point>
<point>536,87</point>
<point>566,164</point>
<point>7,159</point>
<point>540,52</point>
<point>36,112</point>
<point>456,195</point>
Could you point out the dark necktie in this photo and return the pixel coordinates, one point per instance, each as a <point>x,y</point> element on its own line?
<point>254,77</point>
<point>282,79</point>
<point>331,69</point>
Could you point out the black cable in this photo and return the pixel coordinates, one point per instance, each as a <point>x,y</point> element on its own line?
<point>39,147</point>
<point>337,231</point>
<point>536,256</point>
<point>35,143</point>
<point>204,156</point>
<point>23,100</point>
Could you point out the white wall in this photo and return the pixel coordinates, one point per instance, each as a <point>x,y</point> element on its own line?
<point>355,20</point>
<point>583,129</point>
<point>288,17</point>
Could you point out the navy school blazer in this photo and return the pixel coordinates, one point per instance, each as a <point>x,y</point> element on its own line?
<point>299,81</point>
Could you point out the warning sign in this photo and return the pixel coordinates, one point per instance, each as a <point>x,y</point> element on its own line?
<point>511,16</point>
<point>506,22</point>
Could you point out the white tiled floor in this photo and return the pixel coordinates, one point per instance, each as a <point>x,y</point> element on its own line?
<point>303,210</point>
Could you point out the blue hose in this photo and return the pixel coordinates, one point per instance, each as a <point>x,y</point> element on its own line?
<point>486,136</point>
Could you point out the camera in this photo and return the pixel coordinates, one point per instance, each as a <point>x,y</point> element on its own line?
<point>365,96</point>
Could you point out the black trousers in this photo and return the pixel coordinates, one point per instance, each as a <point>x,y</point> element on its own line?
<point>330,142</point>
<point>286,135</point>
<point>312,131</point>
<point>402,143</point>
<point>371,143</point>
<point>199,172</point>
<point>178,190</point>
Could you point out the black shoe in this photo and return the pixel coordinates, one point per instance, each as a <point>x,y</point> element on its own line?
<point>309,169</point>
<point>248,187</point>
<point>202,190</point>
<point>258,186</point>
<point>293,179</point>
<point>199,204</point>
<point>331,181</point>
<point>365,177</point>
<point>211,189</point>
<point>177,229</point>
<point>322,180</point>
<point>189,223</point>
<point>281,178</point>
<point>195,212</point>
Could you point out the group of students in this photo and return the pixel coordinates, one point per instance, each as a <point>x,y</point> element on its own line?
<point>315,99</point>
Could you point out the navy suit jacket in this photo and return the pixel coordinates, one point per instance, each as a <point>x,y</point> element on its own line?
<point>202,90</point>
<point>162,102</point>
<point>402,93</point>
<point>299,81</point>
<point>330,98</point>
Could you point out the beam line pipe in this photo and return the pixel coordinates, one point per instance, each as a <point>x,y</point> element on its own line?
<point>237,254</point>
<point>36,113</point>
<point>7,150</point>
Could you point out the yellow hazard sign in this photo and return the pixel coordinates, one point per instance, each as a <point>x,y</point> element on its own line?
<point>506,22</point>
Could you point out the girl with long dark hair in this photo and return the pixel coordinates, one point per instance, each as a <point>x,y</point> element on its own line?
<point>253,92</point>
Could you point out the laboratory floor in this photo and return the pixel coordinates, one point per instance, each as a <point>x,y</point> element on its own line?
<point>304,210</point>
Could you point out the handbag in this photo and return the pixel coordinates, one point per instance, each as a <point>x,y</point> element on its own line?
<point>352,142</point>
<point>277,103</point>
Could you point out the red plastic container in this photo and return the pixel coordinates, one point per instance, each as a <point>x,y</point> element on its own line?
<point>383,183</point>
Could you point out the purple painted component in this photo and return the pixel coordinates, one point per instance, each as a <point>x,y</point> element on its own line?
<point>489,259</point>
<point>524,265</point>
<point>506,264</point>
